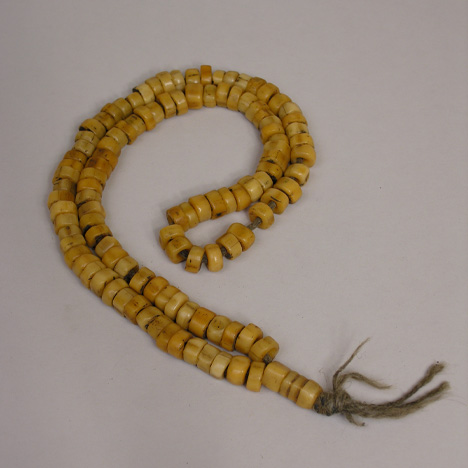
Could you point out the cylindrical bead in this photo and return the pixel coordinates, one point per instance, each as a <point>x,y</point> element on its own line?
<point>237,370</point>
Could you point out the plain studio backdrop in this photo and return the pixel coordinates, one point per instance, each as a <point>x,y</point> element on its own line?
<point>376,247</point>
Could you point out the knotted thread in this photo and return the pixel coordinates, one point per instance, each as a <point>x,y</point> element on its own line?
<point>339,401</point>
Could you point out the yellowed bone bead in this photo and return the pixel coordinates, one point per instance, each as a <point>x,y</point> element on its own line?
<point>214,257</point>
<point>146,316</point>
<point>167,103</point>
<point>96,233</point>
<point>112,256</point>
<point>201,206</point>
<point>230,77</point>
<point>190,214</point>
<point>287,382</point>
<point>175,247</point>
<point>269,130</point>
<point>59,195</point>
<point>129,131</point>
<point>301,139</point>
<point>254,109</point>
<point>94,126</point>
<point>180,100</point>
<point>245,101</point>
<point>231,332</point>
<point>233,99</point>
<point>157,111</point>
<point>110,144</point>
<point>185,314</point>
<point>192,75</point>
<point>108,155</point>
<point>206,357</point>
<point>231,244</point>
<point>174,304</point>
<point>89,271</point>
<point>218,76</point>
<point>176,345</point>
<point>69,242</point>
<point>274,374</point>
<point>229,199</point>
<point>146,92</point>
<point>242,197</point>
<point>209,95</point>
<point>91,219</point>
<point>93,173</point>
<point>165,336</point>
<point>66,172</point>
<point>254,84</point>
<point>264,212</point>
<point>168,233</point>
<point>76,156</point>
<point>277,101</point>
<point>304,154</point>
<point>254,379</point>
<point>296,129</point>
<point>145,114</point>
<point>122,298</point>
<point>87,136</point>
<point>68,231</point>
<point>105,244</point>
<point>276,157</point>
<point>166,80</point>
<point>265,180</point>
<point>264,350</point>
<point>244,235</point>
<point>154,287</point>
<point>296,387</point>
<point>220,364</point>
<point>178,79</point>
<point>135,99</point>
<point>253,187</point>
<point>193,349</point>
<point>237,370</point>
<point>101,279</point>
<point>140,279</point>
<point>74,253</point>
<point>298,172</point>
<point>114,111</point>
<point>218,207</point>
<point>288,108</point>
<point>77,165</point>
<point>308,394</point>
<point>111,289</point>
<point>126,267</point>
<point>200,321</point>
<point>65,185</point>
<point>91,207</point>
<point>279,198</point>
<point>247,337</point>
<point>106,119</point>
<point>222,92</point>
<point>157,325</point>
<point>65,219</point>
<point>135,306</point>
<point>290,187</point>
<point>216,328</point>
<point>155,84</point>
<point>176,215</point>
<point>261,115</point>
<point>100,164</point>
<point>164,296</point>
<point>294,117</point>
<point>272,169</point>
<point>124,107</point>
<point>61,207</point>
<point>194,95</point>
<point>194,259</point>
<point>205,75</point>
<point>266,91</point>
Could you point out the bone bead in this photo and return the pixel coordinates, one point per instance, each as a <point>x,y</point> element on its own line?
<point>154,287</point>
<point>264,212</point>
<point>130,132</point>
<point>68,231</point>
<point>59,195</point>
<point>244,235</point>
<point>229,199</point>
<point>218,207</point>
<point>269,130</point>
<point>89,271</point>
<point>231,245</point>
<point>241,195</point>
<point>96,233</point>
<point>65,219</point>
<point>113,255</point>
<point>180,100</point>
<point>135,306</point>
<point>296,387</point>
<point>185,314</point>
<point>61,207</point>
<point>254,84</point>
<point>272,169</point>
<point>194,95</point>
<point>111,289</point>
<point>274,374</point>
<point>253,187</point>
<point>94,126</point>
<point>176,345</point>
<point>110,144</point>
<point>157,111</point>
<point>114,111</point>
<point>220,364</point>
<point>82,261</point>
<point>157,325</point>
<point>101,279</point>
<point>71,241</point>
<point>167,103</point>
<point>222,92</point>
<point>124,106</point>
<point>175,247</point>
<point>193,349</point>
<point>264,350</point>
<point>140,279</point>
<point>296,128</point>
<point>85,147</point>
<point>145,114</point>
<point>126,267</point>
<point>201,206</point>
<point>233,99</point>
<point>192,75</point>
<point>165,336</point>
<point>230,77</point>
<point>135,99</point>
<point>105,244</point>
<point>218,76</point>
<point>264,179</point>
<point>254,379</point>
<point>174,304</point>
<point>146,92</point>
<point>288,108</point>
<point>75,252</point>
<point>216,328</point>
<point>194,259</point>
<point>107,155</point>
<point>206,357</point>
<point>303,153</point>
<point>190,214</point>
<point>176,215</point>
<point>200,321</point>
<point>214,257</point>
<point>66,172</point>
<point>254,108</point>
<point>279,198</point>
<point>308,394</point>
<point>298,172</point>
<point>236,372</point>
<point>205,75</point>
<point>122,298</point>
<point>166,80</point>
<point>245,101</point>
<point>106,119</point>
<point>91,207</point>
<point>147,315</point>
<point>168,233</point>
<point>209,96</point>
<point>247,337</point>
<point>277,101</point>
<point>100,164</point>
<point>266,91</point>
<point>301,139</point>
<point>290,187</point>
<point>164,296</point>
<point>155,84</point>
<point>75,156</point>
<point>65,185</point>
<point>231,332</point>
<point>261,115</point>
<point>287,382</point>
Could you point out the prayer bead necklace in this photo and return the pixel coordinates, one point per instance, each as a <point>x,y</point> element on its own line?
<point>180,326</point>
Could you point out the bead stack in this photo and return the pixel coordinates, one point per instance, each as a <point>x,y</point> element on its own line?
<point>178,325</point>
